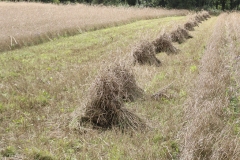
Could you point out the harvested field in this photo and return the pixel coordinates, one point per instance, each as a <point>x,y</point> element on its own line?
<point>80,97</point>
<point>35,23</point>
<point>47,84</point>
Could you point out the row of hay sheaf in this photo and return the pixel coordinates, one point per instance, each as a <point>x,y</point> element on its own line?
<point>144,52</point>
<point>209,132</point>
<point>116,85</point>
<point>180,34</point>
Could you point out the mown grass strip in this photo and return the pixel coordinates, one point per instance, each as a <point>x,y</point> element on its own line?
<point>41,85</point>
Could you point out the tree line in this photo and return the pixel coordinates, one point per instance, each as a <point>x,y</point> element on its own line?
<point>178,4</point>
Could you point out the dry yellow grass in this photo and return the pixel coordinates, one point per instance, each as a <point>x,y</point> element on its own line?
<point>212,113</point>
<point>31,23</point>
<point>42,85</point>
<point>43,91</point>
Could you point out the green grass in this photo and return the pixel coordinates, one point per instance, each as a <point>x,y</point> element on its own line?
<point>42,85</point>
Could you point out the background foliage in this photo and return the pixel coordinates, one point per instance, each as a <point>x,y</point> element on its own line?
<point>180,4</point>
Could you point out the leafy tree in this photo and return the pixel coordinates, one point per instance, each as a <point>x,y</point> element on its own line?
<point>184,4</point>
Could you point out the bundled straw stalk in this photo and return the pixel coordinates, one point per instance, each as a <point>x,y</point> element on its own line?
<point>179,35</point>
<point>164,44</point>
<point>185,33</point>
<point>144,53</point>
<point>189,26</point>
<point>105,107</point>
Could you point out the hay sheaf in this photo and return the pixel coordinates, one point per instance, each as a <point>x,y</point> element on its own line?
<point>179,35</point>
<point>164,44</point>
<point>189,26</point>
<point>205,15</point>
<point>105,108</point>
<point>144,53</point>
<point>185,33</point>
<point>194,22</point>
<point>198,19</point>
<point>130,91</point>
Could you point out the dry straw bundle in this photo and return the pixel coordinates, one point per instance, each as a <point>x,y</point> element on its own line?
<point>199,18</point>
<point>189,26</point>
<point>194,20</point>
<point>144,53</point>
<point>105,107</point>
<point>195,23</point>
<point>164,44</point>
<point>130,91</point>
<point>185,33</point>
<point>202,16</point>
<point>179,35</point>
<point>205,15</point>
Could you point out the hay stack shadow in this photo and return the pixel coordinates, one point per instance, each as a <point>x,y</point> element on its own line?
<point>164,44</point>
<point>144,53</point>
<point>105,108</point>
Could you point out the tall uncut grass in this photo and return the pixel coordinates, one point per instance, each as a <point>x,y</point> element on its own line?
<point>31,23</point>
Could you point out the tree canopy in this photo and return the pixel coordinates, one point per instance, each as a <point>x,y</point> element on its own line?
<point>179,4</point>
